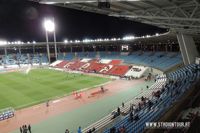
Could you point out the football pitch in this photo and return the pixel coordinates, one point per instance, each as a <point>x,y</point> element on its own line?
<point>19,90</point>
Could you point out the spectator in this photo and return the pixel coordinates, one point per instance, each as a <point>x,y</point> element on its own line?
<point>114,115</point>
<point>90,131</point>
<point>150,104</point>
<point>139,106</point>
<point>66,131</point>
<point>122,129</point>
<point>29,128</point>
<point>21,131</point>
<point>122,104</point>
<point>131,116</point>
<point>131,107</point>
<point>113,130</point>
<point>136,117</point>
<point>118,111</point>
<point>25,129</point>
<point>93,129</point>
<point>142,99</point>
<point>47,103</point>
<point>79,130</point>
<point>102,88</point>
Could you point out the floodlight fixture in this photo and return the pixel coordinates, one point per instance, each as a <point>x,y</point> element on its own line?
<point>49,25</point>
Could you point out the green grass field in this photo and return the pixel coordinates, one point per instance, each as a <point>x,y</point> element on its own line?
<point>20,90</point>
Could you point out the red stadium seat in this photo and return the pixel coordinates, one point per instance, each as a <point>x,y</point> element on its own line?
<point>61,64</point>
<point>115,62</point>
<point>119,70</point>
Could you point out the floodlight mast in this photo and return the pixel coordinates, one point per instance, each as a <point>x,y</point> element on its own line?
<point>49,26</point>
<point>48,51</point>
<point>55,45</point>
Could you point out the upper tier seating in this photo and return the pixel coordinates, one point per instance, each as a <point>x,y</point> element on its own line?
<point>160,60</point>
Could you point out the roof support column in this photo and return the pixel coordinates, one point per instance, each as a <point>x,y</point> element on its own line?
<point>166,47</point>
<point>83,49</point>
<point>187,47</point>
<point>106,47</point>
<point>71,49</point>
<point>33,49</point>
<point>5,51</point>
<point>20,50</point>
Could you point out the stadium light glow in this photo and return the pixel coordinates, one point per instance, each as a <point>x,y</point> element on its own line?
<point>49,25</point>
<point>113,39</point>
<point>34,42</point>
<point>18,42</point>
<point>88,40</point>
<point>2,43</point>
<point>77,41</point>
<point>128,38</point>
<point>66,41</point>
<point>147,36</point>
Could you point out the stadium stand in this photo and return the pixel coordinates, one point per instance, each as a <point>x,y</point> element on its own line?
<point>115,62</point>
<point>24,59</point>
<point>159,60</point>
<point>6,113</point>
<point>61,64</point>
<point>55,63</point>
<point>119,70</point>
<point>159,97</point>
<point>112,66</point>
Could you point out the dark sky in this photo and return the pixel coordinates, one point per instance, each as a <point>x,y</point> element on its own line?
<point>23,21</point>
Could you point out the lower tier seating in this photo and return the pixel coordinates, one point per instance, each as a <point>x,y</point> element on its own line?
<point>150,105</point>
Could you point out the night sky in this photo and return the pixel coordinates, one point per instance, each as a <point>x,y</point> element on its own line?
<point>23,21</point>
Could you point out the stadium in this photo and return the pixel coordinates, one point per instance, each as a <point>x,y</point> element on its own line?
<point>127,84</point>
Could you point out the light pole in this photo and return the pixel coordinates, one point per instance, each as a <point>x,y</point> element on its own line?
<point>49,26</point>
<point>55,45</point>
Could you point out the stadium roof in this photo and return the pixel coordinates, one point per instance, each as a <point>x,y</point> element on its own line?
<point>166,38</point>
<point>177,15</point>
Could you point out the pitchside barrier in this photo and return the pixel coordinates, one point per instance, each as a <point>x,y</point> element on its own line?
<point>6,113</point>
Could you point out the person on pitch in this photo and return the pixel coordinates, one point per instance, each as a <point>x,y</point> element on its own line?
<point>102,88</point>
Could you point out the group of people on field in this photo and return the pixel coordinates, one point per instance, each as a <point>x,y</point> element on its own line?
<point>25,129</point>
